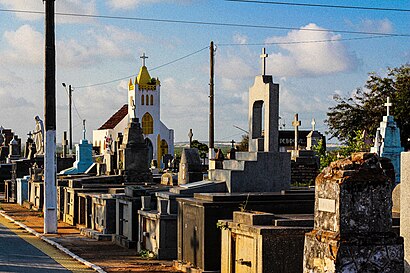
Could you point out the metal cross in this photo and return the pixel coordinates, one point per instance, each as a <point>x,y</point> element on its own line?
<point>143,57</point>
<point>313,124</point>
<point>388,104</point>
<point>263,57</point>
<point>296,123</point>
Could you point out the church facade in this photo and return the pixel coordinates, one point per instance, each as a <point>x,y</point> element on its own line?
<point>144,103</point>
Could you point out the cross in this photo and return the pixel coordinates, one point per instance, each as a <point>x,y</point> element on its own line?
<point>313,124</point>
<point>29,134</point>
<point>143,57</point>
<point>190,135</point>
<point>296,123</point>
<point>84,129</point>
<point>263,57</point>
<point>388,104</point>
<point>233,143</point>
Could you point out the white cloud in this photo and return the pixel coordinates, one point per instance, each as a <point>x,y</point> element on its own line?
<point>26,46</point>
<point>130,4</point>
<point>63,6</point>
<point>369,25</point>
<point>310,59</point>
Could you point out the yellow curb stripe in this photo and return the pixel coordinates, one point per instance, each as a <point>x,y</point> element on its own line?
<point>58,256</point>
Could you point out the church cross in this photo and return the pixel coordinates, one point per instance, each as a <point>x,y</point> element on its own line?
<point>388,104</point>
<point>263,57</point>
<point>296,123</point>
<point>313,124</point>
<point>143,57</point>
<point>233,143</point>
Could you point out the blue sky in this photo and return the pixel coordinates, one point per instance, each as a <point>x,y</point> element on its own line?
<point>91,50</point>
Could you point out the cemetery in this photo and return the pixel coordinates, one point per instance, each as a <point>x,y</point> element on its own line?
<point>268,209</point>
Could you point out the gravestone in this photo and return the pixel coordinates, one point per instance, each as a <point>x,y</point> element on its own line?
<point>190,167</point>
<point>133,154</point>
<point>84,157</point>
<point>387,142</point>
<point>314,137</point>
<point>14,149</point>
<point>353,219</point>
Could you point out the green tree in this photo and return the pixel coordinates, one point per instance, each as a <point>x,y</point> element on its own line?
<point>202,148</point>
<point>365,108</point>
<point>243,145</point>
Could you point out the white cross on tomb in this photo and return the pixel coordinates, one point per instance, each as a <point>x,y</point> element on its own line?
<point>263,57</point>
<point>388,104</point>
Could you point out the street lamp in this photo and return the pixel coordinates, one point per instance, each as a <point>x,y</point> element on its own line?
<point>70,123</point>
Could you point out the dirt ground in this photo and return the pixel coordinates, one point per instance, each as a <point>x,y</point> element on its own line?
<point>107,255</point>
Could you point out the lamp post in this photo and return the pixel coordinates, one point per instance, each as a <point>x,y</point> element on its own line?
<point>70,122</point>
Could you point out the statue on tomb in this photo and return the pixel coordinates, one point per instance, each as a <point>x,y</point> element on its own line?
<point>108,144</point>
<point>2,138</point>
<point>39,136</point>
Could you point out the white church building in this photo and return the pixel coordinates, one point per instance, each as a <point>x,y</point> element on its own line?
<point>144,103</point>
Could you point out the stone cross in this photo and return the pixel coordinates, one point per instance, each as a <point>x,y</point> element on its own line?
<point>143,57</point>
<point>190,135</point>
<point>263,57</point>
<point>84,129</point>
<point>313,124</point>
<point>388,104</point>
<point>296,123</point>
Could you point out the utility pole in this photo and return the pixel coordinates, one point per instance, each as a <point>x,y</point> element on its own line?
<point>211,103</point>
<point>50,192</point>
<point>70,121</point>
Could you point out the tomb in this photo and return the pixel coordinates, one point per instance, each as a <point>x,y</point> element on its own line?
<point>387,141</point>
<point>248,171</point>
<point>84,157</point>
<point>404,207</point>
<point>263,242</point>
<point>199,238</point>
<point>353,219</point>
<point>133,155</point>
<point>190,167</point>
<point>22,189</point>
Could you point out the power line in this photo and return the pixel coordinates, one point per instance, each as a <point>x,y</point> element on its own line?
<point>304,42</point>
<point>319,5</point>
<point>209,23</point>
<point>134,75</point>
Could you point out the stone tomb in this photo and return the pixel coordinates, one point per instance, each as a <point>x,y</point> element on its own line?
<point>353,220</point>
<point>263,242</point>
<point>199,238</point>
<point>127,217</point>
<point>248,172</point>
<point>190,167</point>
<point>405,207</point>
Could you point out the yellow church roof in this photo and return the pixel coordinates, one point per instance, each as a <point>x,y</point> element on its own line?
<point>143,77</point>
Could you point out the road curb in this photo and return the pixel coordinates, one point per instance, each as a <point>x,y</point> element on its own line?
<point>53,243</point>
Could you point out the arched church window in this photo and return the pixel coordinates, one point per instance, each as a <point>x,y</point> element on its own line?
<point>152,100</point>
<point>147,124</point>
<point>164,147</point>
<point>147,99</point>
<point>142,100</point>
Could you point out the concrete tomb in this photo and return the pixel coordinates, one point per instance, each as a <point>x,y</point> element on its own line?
<point>405,207</point>
<point>133,154</point>
<point>263,242</point>
<point>353,219</point>
<point>248,171</point>
<point>190,167</point>
<point>387,142</point>
<point>199,238</point>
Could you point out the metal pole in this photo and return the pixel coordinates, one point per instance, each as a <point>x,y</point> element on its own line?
<point>70,121</point>
<point>211,103</point>
<point>50,193</point>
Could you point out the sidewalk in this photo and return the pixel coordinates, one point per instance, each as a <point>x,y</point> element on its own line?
<point>107,255</point>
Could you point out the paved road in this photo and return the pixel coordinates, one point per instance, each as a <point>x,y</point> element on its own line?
<point>23,252</point>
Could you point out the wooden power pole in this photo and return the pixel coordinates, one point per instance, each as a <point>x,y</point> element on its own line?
<point>50,192</point>
<point>211,103</point>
